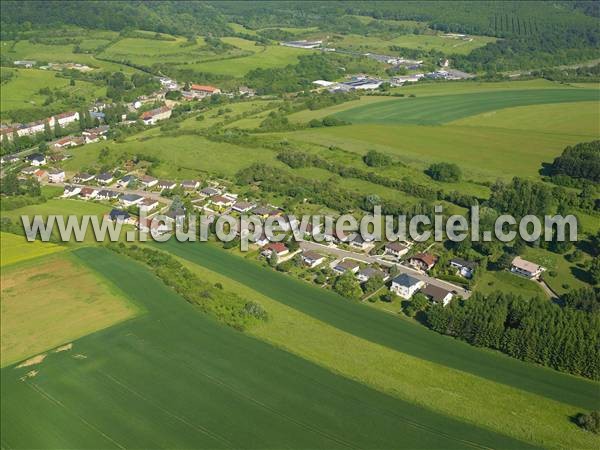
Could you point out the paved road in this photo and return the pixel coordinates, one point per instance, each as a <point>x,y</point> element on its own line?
<point>339,253</point>
<point>152,195</point>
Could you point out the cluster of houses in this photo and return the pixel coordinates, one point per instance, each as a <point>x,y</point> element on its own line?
<point>29,129</point>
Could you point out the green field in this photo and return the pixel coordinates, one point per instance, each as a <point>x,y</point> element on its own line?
<point>442,109</point>
<point>21,92</point>
<point>171,379</point>
<point>49,301</point>
<point>264,57</point>
<point>15,249</point>
<point>186,156</point>
<point>58,53</point>
<point>419,42</point>
<point>482,153</point>
<point>383,329</point>
<point>466,397</point>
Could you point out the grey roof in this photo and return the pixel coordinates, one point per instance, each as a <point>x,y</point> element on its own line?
<point>131,197</point>
<point>464,263</point>
<point>370,272</point>
<point>104,176</point>
<point>405,280</point>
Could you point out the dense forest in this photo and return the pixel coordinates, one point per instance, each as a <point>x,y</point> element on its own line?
<point>565,338</point>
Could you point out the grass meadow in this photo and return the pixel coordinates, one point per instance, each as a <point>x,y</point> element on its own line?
<point>15,249</point>
<point>128,373</point>
<point>50,300</point>
<point>21,92</point>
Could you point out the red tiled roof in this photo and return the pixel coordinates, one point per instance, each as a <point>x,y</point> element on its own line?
<point>277,247</point>
<point>203,88</point>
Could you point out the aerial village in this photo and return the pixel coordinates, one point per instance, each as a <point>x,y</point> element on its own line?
<point>403,267</point>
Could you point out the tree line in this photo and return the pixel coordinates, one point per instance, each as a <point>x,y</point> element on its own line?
<point>534,330</point>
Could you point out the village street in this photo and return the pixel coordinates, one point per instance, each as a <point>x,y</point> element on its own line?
<point>368,259</point>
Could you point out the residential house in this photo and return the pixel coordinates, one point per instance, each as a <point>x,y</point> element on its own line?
<point>262,211</point>
<point>147,181</point>
<point>423,261</point>
<point>221,201</point>
<point>262,240</point>
<point>245,91</point>
<point>358,242</point>
<point>128,200</point>
<point>396,249</point>
<point>106,194</point>
<point>29,171</point>
<point>148,204</point>
<point>66,118</point>
<point>312,259</point>
<point>367,273</point>
<point>201,91</point>
<point>7,132</point>
<point>210,191</point>
<point>190,185</point>
<point>347,265</point>
<point>166,184</point>
<point>155,115</point>
<point>88,193</point>
<point>100,131</point>
<point>9,159</point>
<point>243,207</point>
<point>405,286</point>
<point>105,178</point>
<point>71,191</point>
<point>146,225</point>
<point>83,177</point>
<point>68,141</point>
<point>275,248</point>
<point>118,215</point>
<point>36,159</point>
<point>526,268</point>
<point>56,176</point>
<point>126,180</point>
<point>465,268</point>
<point>40,174</point>
<point>437,294</point>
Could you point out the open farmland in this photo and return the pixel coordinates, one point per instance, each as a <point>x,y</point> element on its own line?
<point>48,301</point>
<point>128,371</point>
<point>442,109</point>
<point>525,416</point>
<point>481,152</point>
<point>15,249</point>
<point>264,57</point>
<point>383,329</point>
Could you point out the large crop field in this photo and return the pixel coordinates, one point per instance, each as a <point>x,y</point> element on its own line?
<point>51,300</point>
<point>442,109</point>
<point>128,373</point>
